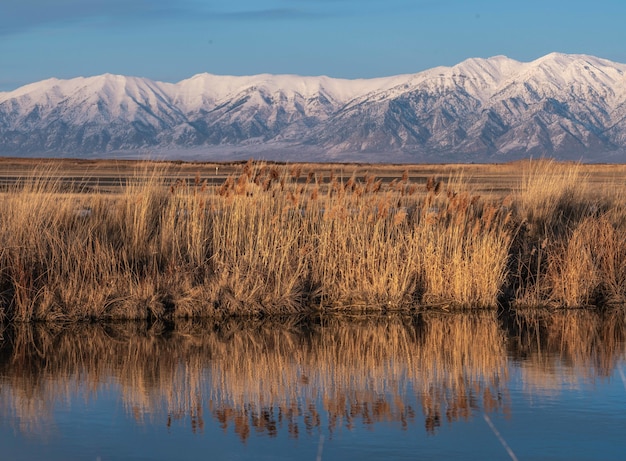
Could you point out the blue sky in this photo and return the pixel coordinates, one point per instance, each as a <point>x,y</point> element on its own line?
<point>170,40</point>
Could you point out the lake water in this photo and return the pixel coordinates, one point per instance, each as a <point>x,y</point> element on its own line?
<point>530,386</point>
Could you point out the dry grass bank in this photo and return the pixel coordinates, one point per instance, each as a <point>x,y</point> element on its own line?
<point>273,239</point>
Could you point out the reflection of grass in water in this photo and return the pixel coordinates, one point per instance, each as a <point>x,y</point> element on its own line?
<point>588,346</point>
<point>296,376</point>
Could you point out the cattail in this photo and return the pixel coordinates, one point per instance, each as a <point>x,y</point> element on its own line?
<point>507,218</point>
<point>476,229</point>
<point>383,209</point>
<point>399,217</point>
<point>225,188</point>
<point>489,215</point>
<point>507,201</point>
<point>248,167</point>
<point>296,171</point>
<point>431,218</point>
<point>292,198</point>
<point>241,184</point>
<point>430,184</point>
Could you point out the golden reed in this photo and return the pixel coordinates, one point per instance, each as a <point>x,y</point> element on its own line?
<point>277,239</point>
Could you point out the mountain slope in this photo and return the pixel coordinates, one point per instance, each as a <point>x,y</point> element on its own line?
<point>481,109</point>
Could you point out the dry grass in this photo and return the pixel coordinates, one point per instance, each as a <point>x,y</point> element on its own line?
<point>273,239</point>
<point>571,249</point>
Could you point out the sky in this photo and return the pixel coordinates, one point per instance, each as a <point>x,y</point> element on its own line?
<point>170,40</point>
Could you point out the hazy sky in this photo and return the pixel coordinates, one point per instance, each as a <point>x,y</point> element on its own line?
<point>171,40</point>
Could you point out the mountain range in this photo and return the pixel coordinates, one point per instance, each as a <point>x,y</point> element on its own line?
<point>483,110</point>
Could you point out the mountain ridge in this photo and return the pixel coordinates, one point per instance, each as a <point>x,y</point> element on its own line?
<point>482,109</point>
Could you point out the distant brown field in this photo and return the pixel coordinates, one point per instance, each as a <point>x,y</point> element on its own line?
<point>111,175</point>
<point>92,239</point>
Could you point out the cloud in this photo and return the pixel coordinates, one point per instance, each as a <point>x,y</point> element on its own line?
<point>274,13</point>
<point>23,15</point>
<point>372,8</point>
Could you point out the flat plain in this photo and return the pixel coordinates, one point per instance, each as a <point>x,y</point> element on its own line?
<point>110,175</point>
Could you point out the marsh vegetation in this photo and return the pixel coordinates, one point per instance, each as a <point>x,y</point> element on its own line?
<point>277,239</point>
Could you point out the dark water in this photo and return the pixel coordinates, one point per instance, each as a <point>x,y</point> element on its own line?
<point>481,386</point>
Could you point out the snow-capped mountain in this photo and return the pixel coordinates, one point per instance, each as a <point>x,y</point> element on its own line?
<point>567,106</point>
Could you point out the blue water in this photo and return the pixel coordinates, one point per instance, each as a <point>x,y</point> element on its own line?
<point>132,394</point>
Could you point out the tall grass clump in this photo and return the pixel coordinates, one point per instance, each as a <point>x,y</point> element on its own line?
<point>257,253</point>
<point>26,223</point>
<point>572,248</point>
<point>464,245</point>
<point>363,252</point>
<point>552,196</point>
<point>407,246</point>
<point>65,255</point>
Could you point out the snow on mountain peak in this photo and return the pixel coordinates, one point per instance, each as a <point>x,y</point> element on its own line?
<point>480,105</point>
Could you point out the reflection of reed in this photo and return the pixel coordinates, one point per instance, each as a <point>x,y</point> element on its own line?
<point>29,389</point>
<point>294,376</point>
<point>560,348</point>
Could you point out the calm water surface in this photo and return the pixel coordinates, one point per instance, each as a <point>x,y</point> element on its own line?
<point>434,386</point>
